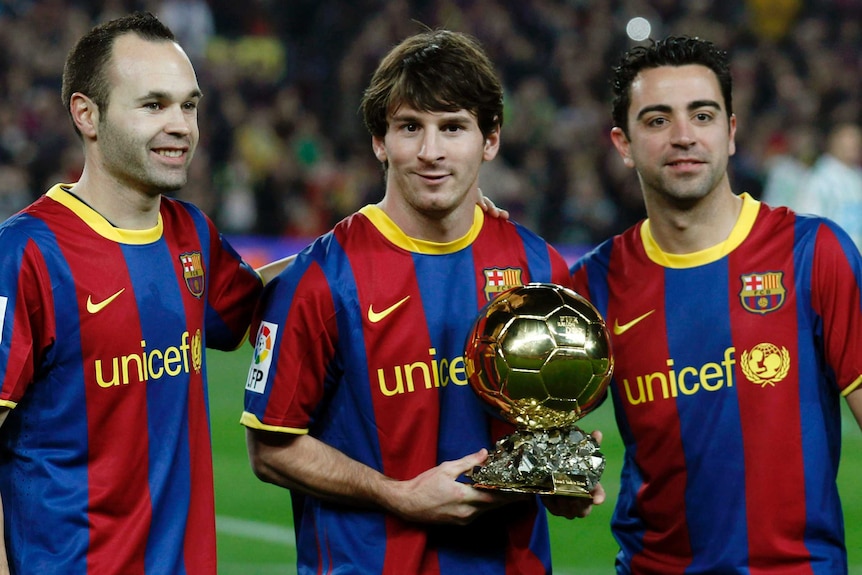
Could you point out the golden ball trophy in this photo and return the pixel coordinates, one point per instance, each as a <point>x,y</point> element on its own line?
<point>540,356</point>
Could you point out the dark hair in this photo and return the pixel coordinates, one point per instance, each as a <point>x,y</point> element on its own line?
<point>86,64</point>
<point>435,71</point>
<point>672,51</point>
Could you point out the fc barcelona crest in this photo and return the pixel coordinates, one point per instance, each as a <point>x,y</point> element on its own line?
<point>498,280</point>
<point>762,292</point>
<point>193,272</point>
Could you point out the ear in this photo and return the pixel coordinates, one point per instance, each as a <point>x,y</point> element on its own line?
<point>379,148</point>
<point>492,145</point>
<point>621,143</point>
<point>85,114</point>
<point>731,144</point>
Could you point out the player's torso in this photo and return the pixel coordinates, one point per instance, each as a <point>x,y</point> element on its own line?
<point>719,402</point>
<point>113,432</point>
<point>411,312</point>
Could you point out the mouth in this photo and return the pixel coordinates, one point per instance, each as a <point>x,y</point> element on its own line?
<point>684,162</point>
<point>432,178</point>
<point>685,166</point>
<point>171,157</point>
<point>170,153</point>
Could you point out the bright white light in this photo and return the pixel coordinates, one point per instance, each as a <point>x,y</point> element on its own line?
<point>638,29</point>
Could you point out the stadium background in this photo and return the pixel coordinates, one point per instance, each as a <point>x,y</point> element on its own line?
<point>284,155</point>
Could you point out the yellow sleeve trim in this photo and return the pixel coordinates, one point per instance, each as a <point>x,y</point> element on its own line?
<point>7,403</point>
<point>852,387</point>
<point>251,420</point>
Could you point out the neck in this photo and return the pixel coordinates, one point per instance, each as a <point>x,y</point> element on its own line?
<point>680,229</point>
<point>123,207</point>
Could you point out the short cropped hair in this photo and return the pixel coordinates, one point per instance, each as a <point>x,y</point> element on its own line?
<point>85,70</point>
<point>672,51</point>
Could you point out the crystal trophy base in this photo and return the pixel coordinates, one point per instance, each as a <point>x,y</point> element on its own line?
<point>557,461</point>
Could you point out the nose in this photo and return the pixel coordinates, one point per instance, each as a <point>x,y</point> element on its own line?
<point>431,149</point>
<point>682,134</point>
<point>179,121</point>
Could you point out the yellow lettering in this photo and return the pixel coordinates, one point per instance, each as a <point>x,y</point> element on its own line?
<point>458,371</point>
<point>381,381</point>
<point>424,372</point>
<point>128,360</point>
<point>708,372</point>
<point>728,364</point>
<point>681,379</point>
<point>434,373</point>
<point>640,398</point>
<point>154,373</point>
<point>674,389</point>
<point>100,379</point>
<point>443,376</point>
<point>173,356</point>
<point>146,365</point>
<point>689,380</point>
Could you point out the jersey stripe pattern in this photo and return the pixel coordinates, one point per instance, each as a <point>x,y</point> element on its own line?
<point>729,368</point>
<point>105,458</point>
<point>369,330</point>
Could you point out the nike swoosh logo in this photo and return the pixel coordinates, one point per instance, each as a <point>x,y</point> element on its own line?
<point>621,329</point>
<point>97,307</point>
<point>374,316</point>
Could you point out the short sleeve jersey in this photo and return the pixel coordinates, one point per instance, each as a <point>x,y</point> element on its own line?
<point>361,344</point>
<point>105,456</point>
<point>729,367</point>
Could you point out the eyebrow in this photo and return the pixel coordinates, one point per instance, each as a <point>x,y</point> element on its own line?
<point>413,116</point>
<point>664,108</point>
<point>160,95</point>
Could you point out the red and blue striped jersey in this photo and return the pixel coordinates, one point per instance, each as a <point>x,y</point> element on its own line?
<point>729,368</point>
<point>361,344</point>
<point>105,457</point>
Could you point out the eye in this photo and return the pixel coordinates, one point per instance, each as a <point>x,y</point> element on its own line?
<point>154,106</point>
<point>190,106</point>
<point>658,121</point>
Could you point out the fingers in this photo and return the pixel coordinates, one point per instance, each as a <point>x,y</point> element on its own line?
<point>490,208</point>
<point>571,507</point>
<point>598,494</point>
<point>468,462</point>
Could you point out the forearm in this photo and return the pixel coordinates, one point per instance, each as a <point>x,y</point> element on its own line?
<point>854,400</point>
<point>310,466</point>
<point>303,463</point>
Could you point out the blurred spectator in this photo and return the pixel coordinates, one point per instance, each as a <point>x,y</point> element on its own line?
<point>14,190</point>
<point>788,158</point>
<point>282,149</point>
<point>834,186</point>
<point>192,22</point>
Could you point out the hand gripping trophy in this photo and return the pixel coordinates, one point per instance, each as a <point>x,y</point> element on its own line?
<point>540,356</point>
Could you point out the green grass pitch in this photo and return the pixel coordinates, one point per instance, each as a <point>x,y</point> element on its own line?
<point>254,520</point>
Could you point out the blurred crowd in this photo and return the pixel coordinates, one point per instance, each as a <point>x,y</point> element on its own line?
<point>283,150</point>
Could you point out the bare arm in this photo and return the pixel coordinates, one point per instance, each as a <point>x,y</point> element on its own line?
<point>854,400</point>
<point>272,269</point>
<point>4,559</point>
<point>304,463</point>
